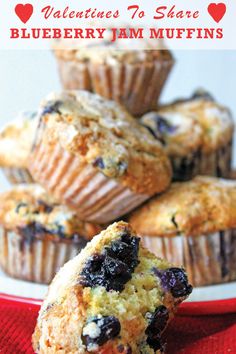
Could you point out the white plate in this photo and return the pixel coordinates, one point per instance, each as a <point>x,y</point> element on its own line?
<point>21,288</point>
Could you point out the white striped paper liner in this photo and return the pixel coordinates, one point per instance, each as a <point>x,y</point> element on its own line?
<point>208,259</point>
<point>74,75</point>
<point>17,175</point>
<point>37,260</point>
<point>95,197</point>
<point>136,86</point>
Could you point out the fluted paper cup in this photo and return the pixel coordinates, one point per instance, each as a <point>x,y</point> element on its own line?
<point>36,260</point>
<point>17,175</point>
<point>208,259</point>
<point>82,187</point>
<point>217,163</point>
<point>136,86</point>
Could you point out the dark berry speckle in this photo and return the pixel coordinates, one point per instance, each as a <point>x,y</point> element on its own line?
<point>157,323</point>
<point>174,280</point>
<point>112,268</point>
<point>108,327</point>
<point>163,126</point>
<point>99,163</point>
<point>52,107</point>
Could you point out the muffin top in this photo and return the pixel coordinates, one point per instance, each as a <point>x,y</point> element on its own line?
<point>106,51</point>
<point>118,296</point>
<point>104,134</point>
<point>201,206</point>
<point>179,132</point>
<point>214,119</point>
<point>28,210</point>
<point>16,139</point>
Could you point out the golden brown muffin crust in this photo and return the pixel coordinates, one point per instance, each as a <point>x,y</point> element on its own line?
<point>214,119</point>
<point>203,205</point>
<point>16,140</point>
<point>26,205</point>
<point>180,132</point>
<point>104,134</point>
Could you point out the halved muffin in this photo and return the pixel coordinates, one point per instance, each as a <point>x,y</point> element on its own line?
<point>115,297</point>
<point>37,235</point>
<point>193,224</point>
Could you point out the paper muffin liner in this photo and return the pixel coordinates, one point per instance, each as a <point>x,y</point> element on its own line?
<point>136,86</point>
<point>35,260</point>
<point>74,75</point>
<point>82,187</point>
<point>217,163</point>
<point>17,175</point>
<point>208,259</point>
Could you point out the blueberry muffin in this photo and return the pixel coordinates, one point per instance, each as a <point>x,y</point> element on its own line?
<point>37,235</point>
<point>134,78</point>
<point>92,155</point>
<point>197,134</point>
<point>15,143</point>
<point>115,297</point>
<point>193,224</point>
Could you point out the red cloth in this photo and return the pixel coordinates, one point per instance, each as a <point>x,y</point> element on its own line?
<point>185,335</point>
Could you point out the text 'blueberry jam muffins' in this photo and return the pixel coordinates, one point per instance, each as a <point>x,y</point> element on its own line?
<point>193,224</point>
<point>37,235</point>
<point>115,297</point>
<point>92,155</point>
<point>15,144</point>
<point>134,78</point>
<point>197,134</point>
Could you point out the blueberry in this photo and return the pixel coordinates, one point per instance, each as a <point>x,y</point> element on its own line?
<point>45,207</point>
<point>156,344</point>
<point>52,107</point>
<point>174,280</point>
<point>99,162</point>
<point>108,328</point>
<point>163,126</point>
<point>158,321</point>
<point>114,266</point>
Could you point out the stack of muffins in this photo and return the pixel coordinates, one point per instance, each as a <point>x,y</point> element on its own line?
<point>91,161</point>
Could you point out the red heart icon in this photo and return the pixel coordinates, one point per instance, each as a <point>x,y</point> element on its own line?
<point>24,12</point>
<point>217,11</point>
